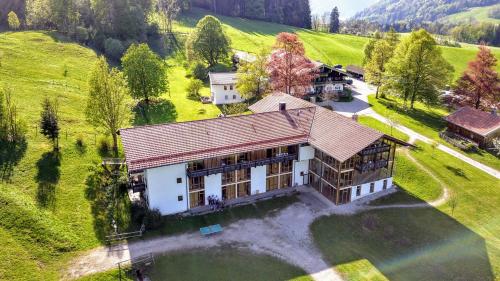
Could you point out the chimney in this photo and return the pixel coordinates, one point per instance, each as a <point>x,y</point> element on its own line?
<point>282,106</point>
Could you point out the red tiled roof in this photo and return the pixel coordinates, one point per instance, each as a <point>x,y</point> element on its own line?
<point>161,145</point>
<point>474,120</point>
<point>335,134</point>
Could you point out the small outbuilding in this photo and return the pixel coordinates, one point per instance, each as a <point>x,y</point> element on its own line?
<point>356,71</point>
<point>223,88</point>
<point>476,125</point>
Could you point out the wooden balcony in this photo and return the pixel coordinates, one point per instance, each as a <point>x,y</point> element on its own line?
<point>371,166</point>
<point>375,149</point>
<point>241,166</point>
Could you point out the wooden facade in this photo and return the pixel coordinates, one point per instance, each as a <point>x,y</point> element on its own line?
<point>335,179</point>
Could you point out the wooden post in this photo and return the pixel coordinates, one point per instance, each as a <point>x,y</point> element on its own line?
<point>339,173</point>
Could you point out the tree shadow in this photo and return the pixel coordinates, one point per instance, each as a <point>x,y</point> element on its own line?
<point>48,176</point>
<point>404,244</point>
<point>10,155</point>
<point>101,190</point>
<point>428,118</point>
<point>156,112</point>
<point>457,171</point>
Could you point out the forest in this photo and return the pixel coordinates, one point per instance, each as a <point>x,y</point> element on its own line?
<point>289,12</point>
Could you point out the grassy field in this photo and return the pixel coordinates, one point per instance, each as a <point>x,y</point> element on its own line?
<point>422,244</point>
<point>250,35</point>
<point>480,14</point>
<point>382,127</point>
<point>215,264</point>
<point>427,121</point>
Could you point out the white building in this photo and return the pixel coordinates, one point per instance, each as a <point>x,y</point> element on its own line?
<point>223,88</point>
<point>287,142</point>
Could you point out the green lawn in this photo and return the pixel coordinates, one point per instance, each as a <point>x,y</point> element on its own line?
<point>480,14</point>
<point>414,183</point>
<point>215,264</point>
<point>47,211</point>
<point>382,127</point>
<point>427,121</point>
<point>250,35</point>
<point>422,244</point>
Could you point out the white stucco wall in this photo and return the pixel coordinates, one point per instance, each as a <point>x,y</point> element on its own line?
<point>219,94</point>
<point>258,180</point>
<point>163,189</point>
<point>365,189</point>
<point>213,186</point>
<point>306,153</point>
<point>300,167</point>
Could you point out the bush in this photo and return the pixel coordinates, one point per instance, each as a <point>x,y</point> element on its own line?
<point>99,40</point>
<point>193,88</point>
<point>152,219</point>
<point>79,141</point>
<point>81,34</point>
<point>199,71</point>
<point>104,146</point>
<point>113,48</point>
<point>153,30</point>
<point>234,109</point>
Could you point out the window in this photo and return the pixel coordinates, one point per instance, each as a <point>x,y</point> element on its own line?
<point>358,190</point>
<point>286,167</point>
<point>180,198</point>
<point>229,192</point>
<point>228,178</point>
<point>243,189</point>
<point>225,88</point>
<point>273,169</point>
<point>244,175</point>
<point>234,96</point>
<point>231,87</point>
<point>226,97</point>
<point>372,187</point>
<point>196,183</point>
<point>179,180</point>
<point>385,185</point>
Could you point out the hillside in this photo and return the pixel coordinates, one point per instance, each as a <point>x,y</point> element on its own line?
<point>249,35</point>
<point>479,14</point>
<point>392,11</point>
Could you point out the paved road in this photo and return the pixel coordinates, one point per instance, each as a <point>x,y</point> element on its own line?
<point>360,106</point>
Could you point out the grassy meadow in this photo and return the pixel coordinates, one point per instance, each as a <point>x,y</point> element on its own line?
<point>480,14</point>
<point>428,121</point>
<point>421,244</point>
<point>249,35</point>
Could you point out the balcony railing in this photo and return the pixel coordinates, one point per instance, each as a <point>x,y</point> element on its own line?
<point>371,166</point>
<point>375,150</point>
<point>241,166</point>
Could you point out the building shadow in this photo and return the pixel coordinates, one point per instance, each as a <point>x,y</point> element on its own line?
<point>10,155</point>
<point>427,118</point>
<point>404,244</point>
<point>156,112</point>
<point>48,175</point>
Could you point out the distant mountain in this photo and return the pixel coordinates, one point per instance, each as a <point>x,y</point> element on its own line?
<point>347,8</point>
<point>391,11</point>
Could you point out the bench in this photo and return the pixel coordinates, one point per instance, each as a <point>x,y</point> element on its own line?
<point>209,230</point>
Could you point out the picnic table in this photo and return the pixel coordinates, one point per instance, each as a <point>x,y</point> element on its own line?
<point>209,230</point>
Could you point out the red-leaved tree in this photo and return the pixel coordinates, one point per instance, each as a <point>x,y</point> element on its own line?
<point>479,85</point>
<point>289,70</point>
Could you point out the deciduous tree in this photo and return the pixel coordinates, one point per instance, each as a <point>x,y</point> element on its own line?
<point>208,42</point>
<point>368,49</point>
<point>479,85</point>
<point>107,106</point>
<point>375,68</point>
<point>13,21</point>
<point>12,130</point>
<point>145,72</point>
<point>290,71</point>
<point>418,70</point>
<point>170,10</point>
<point>334,20</point>
<point>49,121</point>
<point>253,79</point>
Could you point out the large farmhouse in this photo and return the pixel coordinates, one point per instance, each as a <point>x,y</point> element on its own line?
<point>287,142</point>
<point>329,80</point>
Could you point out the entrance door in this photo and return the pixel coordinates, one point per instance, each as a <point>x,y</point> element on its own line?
<point>345,196</point>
